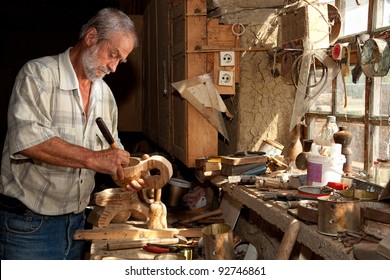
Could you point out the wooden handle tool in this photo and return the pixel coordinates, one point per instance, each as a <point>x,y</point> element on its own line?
<point>106,132</point>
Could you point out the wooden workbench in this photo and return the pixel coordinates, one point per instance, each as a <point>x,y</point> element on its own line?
<point>322,245</point>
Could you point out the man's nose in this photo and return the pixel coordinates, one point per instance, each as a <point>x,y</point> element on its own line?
<point>113,65</point>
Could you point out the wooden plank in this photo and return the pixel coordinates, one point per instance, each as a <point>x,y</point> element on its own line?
<point>220,35</point>
<point>243,160</point>
<point>195,7</point>
<point>126,231</point>
<point>195,32</point>
<point>202,138</point>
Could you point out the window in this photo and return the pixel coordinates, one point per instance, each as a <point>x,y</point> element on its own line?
<point>364,107</point>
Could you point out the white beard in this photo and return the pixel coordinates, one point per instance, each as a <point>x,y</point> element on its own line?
<point>90,67</point>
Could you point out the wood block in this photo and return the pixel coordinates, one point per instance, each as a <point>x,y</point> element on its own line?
<point>114,201</point>
<point>127,231</point>
<point>212,166</point>
<point>232,160</point>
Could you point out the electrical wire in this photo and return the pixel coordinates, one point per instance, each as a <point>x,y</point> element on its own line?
<point>296,79</point>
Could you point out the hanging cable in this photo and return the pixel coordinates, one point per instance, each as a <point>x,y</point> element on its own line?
<point>296,79</point>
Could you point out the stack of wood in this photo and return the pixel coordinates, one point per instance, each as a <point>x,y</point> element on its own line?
<point>209,166</point>
<point>246,164</point>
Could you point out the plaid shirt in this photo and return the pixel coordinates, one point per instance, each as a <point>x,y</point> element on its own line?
<point>46,103</point>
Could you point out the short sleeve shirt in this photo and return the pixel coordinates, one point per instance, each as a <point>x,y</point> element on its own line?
<point>46,103</point>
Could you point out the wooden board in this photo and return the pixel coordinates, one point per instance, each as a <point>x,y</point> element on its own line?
<point>243,160</point>
<point>128,231</point>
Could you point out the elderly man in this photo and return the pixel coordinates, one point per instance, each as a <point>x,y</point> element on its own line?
<point>53,146</point>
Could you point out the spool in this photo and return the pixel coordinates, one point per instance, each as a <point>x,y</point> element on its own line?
<point>218,242</point>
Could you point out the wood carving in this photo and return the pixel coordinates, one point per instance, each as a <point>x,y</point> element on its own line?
<point>112,204</point>
<point>157,213</point>
<point>118,203</point>
<point>141,169</point>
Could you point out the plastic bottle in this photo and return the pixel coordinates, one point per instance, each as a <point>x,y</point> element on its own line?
<point>373,172</point>
<point>382,172</point>
<point>325,136</point>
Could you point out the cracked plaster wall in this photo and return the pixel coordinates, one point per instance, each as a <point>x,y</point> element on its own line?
<point>263,105</point>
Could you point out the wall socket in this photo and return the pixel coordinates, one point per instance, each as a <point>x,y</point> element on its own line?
<point>226,78</point>
<point>226,58</point>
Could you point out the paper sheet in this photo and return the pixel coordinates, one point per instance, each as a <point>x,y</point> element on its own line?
<point>202,94</point>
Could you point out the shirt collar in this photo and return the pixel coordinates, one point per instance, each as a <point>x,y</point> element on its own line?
<point>68,79</point>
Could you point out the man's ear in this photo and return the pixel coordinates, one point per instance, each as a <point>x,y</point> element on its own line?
<point>91,36</point>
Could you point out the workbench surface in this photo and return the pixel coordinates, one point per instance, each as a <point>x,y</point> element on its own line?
<point>322,245</point>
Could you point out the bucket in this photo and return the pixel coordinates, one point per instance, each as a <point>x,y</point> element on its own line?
<point>324,169</point>
<point>175,191</point>
<point>218,242</point>
<point>337,215</point>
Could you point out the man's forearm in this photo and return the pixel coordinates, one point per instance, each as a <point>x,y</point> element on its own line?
<point>56,151</point>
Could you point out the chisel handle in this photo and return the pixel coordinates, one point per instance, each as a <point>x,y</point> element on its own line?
<point>106,133</point>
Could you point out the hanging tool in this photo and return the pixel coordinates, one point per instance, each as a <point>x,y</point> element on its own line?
<point>357,70</point>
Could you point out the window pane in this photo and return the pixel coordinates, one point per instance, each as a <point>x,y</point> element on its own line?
<point>355,17</point>
<point>357,144</point>
<point>381,97</point>
<point>383,13</point>
<point>321,102</point>
<point>355,96</point>
<point>380,141</point>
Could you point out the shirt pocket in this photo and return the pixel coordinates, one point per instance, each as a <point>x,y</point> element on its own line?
<point>100,142</point>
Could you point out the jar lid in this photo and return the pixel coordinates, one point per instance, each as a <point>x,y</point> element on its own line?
<point>331,118</point>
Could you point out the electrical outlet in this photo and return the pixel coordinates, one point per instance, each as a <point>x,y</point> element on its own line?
<point>226,78</point>
<point>226,58</point>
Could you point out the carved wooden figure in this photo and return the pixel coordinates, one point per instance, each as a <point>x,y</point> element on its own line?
<point>119,203</point>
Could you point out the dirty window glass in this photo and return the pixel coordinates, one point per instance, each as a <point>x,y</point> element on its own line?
<point>351,100</point>
<point>355,17</point>
<point>383,13</point>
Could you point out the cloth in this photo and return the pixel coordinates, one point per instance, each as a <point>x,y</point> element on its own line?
<point>30,236</point>
<point>46,103</point>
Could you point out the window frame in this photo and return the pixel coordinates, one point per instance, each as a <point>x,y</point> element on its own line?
<point>368,121</point>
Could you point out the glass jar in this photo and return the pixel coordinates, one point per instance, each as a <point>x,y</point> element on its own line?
<point>325,136</point>
<point>382,175</point>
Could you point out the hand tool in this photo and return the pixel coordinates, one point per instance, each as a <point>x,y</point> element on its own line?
<point>140,168</point>
<point>106,132</point>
